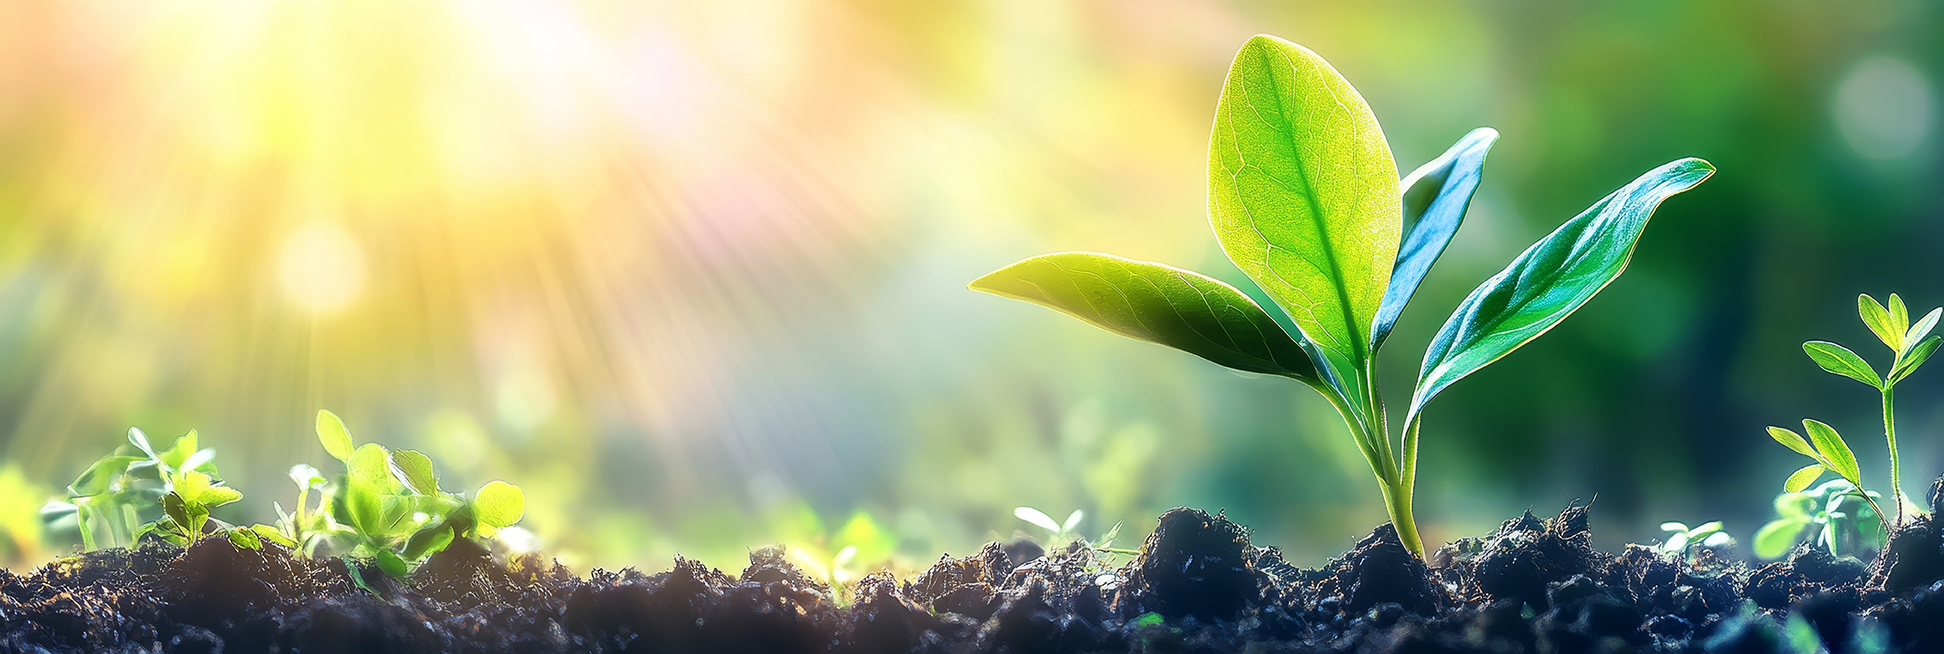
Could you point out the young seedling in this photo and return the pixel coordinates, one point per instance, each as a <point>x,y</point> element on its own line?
<point>1910,348</point>
<point>1833,515</point>
<point>1830,453</point>
<point>1057,533</point>
<point>1305,199</point>
<point>121,493</point>
<point>388,504</point>
<point>1682,540</point>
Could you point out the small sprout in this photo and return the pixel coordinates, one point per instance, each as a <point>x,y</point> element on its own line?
<point>1911,344</point>
<point>1830,453</point>
<point>138,490</point>
<point>1683,540</point>
<point>1058,533</point>
<point>1833,516</point>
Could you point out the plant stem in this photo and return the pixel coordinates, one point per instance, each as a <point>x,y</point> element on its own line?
<point>1890,436</point>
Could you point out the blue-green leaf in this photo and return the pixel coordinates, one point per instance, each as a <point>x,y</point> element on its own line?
<point>1435,198</point>
<point>1550,280</point>
<point>1302,194</point>
<point>1155,303</point>
<point>1915,357</point>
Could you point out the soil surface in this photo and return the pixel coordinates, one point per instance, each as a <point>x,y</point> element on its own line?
<point>1197,585</point>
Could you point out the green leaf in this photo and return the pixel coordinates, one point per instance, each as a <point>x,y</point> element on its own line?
<point>352,570</point>
<point>1915,357</point>
<point>499,504</point>
<point>306,476</point>
<point>271,534</point>
<point>1840,360</point>
<point>1803,477</point>
<point>177,510</point>
<point>1793,441</point>
<point>1899,316</point>
<point>178,454</point>
<point>244,539</point>
<point>216,496</point>
<point>1835,453</point>
<point>389,562</point>
<point>1775,538</point>
<point>140,441</point>
<point>1795,505</point>
<point>1923,327</point>
<point>371,463</point>
<point>1073,520</point>
<point>1037,517</point>
<point>331,432</point>
<point>1706,529</point>
<point>100,477</point>
<point>415,469</point>
<point>1549,281</point>
<point>1674,526</point>
<point>1152,302</point>
<point>1303,196</point>
<point>1879,322</point>
<point>428,541</point>
<point>1435,197</point>
<point>360,505</point>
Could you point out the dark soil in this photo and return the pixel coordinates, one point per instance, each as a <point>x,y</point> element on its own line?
<point>1198,585</point>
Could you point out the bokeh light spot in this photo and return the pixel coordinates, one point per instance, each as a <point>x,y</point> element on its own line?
<point>1884,108</point>
<point>320,267</point>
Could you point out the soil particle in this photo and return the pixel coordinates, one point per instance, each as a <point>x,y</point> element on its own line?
<point>1526,555</point>
<point>1913,559</point>
<point>1381,571</point>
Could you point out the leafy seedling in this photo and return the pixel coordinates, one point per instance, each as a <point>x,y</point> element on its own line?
<point>1683,540</point>
<point>1833,515</point>
<point>1057,533</point>
<point>1830,453</point>
<point>1304,198</point>
<point>119,494</point>
<point>389,506</point>
<point>1911,346</point>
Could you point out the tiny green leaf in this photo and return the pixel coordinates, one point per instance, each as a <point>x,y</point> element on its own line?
<point>244,539</point>
<point>389,562</point>
<point>1916,357</point>
<point>1549,281</point>
<point>1073,520</point>
<point>1923,327</point>
<point>372,464</point>
<point>1793,441</point>
<point>1705,530</point>
<point>1156,303</point>
<point>178,455</point>
<point>1803,477</point>
<point>362,505</point>
<point>216,496</point>
<point>177,510</point>
<point>1674,526</point>
<point>100,477</point>
<point>306,476</point>
<point>1879,322</point>
<point>1840,360</point>
<point>415,469</point>
<point>1302,194</point>
<point>428,541</point>
<point>331,432</point>
<point>1037,517</point>
<point>140,441</point>
<point>1835,453</point>
<point>1775,538</point>
<point>499,504</point>
<point>1436,196</point>
<point>1899,315</point>
<point>271,534</point>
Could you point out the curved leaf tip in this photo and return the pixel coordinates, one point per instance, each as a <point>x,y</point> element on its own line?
<point>1550,280</point>
<point>1157,303</point>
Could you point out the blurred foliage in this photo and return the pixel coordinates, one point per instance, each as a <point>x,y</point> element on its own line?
<point>692,272</point>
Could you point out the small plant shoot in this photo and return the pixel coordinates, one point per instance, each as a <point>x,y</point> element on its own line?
<point>1833,516</point>
<point>1682,540</point>
<point>1910,346</point>
<point>1304,197</point>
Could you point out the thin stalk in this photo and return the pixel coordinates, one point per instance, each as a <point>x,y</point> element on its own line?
<point>1890,436</point>
<point>1408,475</point>
<point>1396,490</point>
<point>84,515</point>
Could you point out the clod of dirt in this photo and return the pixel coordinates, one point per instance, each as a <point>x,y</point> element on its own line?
<point>966,586</point>
<point>1379,570</point>
<point>1913,559</point>
<point>1527,554</point>
<point>1195,564</point>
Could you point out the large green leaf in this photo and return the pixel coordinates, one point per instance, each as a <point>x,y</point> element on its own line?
<point>1435,198</point>
<point>499,504</point>
<point>1550,280</point>
<point>1302,193</point>
<point>1155,303</point>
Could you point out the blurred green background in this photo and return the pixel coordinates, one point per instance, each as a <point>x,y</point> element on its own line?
<point>692,273</point>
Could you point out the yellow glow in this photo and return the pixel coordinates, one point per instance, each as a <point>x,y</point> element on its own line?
<point>320,267</point>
